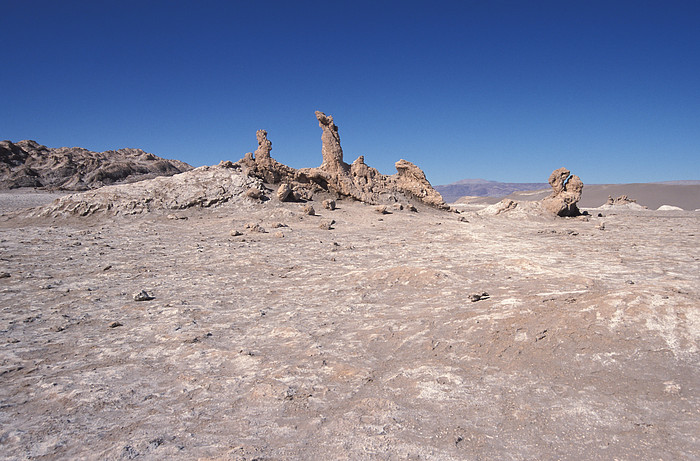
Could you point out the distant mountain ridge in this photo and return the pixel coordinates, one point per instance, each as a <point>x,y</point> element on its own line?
<point>484,188</point>
<point>30,164</point>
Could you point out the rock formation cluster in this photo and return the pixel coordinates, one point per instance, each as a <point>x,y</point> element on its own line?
<point>621,200</point>
<point>253,178</point>
<point>566,192</point>
<point>357,180</point>
<point>29,164</point>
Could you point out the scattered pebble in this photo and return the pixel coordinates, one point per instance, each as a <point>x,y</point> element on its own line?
<point>329,204</point>
<point>4,275</point>
<point>143,296</point>
<point>326,224</point>
<point>236,233</point>
<point>381,209</point>
<point>116,324</point>
<point>309,210</point>
<point>255,227</point>
<point>254,193</point>
<point>478,297</point>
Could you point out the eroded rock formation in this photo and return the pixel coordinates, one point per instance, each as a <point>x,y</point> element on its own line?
<point>358,180</point>
<point>566,192</point>
<point>201,187</point>
<point>29,164</point>
<point>621,200</point>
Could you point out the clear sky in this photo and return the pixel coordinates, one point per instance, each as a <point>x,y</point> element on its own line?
<point>501,90</point>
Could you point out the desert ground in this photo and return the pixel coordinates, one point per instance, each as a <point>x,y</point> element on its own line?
<point>649,195</point>
<point>406,335</point>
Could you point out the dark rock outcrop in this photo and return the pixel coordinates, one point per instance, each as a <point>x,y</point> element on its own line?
<point>29,164</point>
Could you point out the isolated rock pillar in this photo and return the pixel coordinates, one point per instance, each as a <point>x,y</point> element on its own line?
<point>330,145</point>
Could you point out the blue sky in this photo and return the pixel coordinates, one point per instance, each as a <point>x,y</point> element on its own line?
<point>501,90</point>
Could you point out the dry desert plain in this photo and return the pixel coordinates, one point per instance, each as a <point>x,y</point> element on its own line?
<point>372,340</point>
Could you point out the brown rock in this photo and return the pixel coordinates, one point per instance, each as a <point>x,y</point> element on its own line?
<point>326,224</point>
<point>381,209</point>
<point>309,210</point>
<point>284,193</point>
<point>330,145</point>
<point>566,192</point>
<point>254,193</point>
<point>621,200</point>
<point>264,146</point>
<point>255,227</point>
<point>412,180</point>
<point>358,180</point>
<point>329,204</point>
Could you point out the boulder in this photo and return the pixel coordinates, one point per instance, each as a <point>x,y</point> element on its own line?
<point>566,192</point>
<point>285,193</point>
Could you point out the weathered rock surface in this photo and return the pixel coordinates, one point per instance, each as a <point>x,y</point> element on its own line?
<point>202,187</point>
<point>207,186</point>
<point>29,164</point>
<point>621,200</point>
<point>358,180</point>
<point>566,192</point>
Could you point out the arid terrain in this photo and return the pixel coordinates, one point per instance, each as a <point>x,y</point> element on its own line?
<point>374,339</point>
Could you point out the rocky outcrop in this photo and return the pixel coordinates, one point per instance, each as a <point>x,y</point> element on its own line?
<point>263,166</point>
<point>357,180</point>
<point>205,186</point>
<point>621,200</point>
<point>412,180</point>
<point>566,192</point>
<point>29,164</point>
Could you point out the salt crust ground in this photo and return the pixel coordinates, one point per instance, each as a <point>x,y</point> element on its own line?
<point>353,343</point>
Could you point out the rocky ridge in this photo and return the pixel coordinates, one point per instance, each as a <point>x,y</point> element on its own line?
<point>29,164</point>
<point>202,187</point>
<point>254,178</point>
<point>357,180</point>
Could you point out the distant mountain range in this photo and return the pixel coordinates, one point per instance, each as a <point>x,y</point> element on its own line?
<point>484,188</point>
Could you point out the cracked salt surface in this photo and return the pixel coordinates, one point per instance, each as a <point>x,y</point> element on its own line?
<point>355,343</point>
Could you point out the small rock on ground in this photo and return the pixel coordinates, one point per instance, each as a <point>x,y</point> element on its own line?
<point>143,296</point>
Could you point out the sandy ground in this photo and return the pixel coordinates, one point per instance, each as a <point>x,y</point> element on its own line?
<point>359,342</point>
